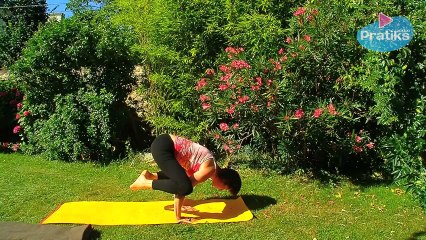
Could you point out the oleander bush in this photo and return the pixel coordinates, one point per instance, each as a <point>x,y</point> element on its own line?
<point>319,100</point>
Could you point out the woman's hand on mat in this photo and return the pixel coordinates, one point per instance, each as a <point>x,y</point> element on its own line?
<point>188,209</point>
<point>185,221</point>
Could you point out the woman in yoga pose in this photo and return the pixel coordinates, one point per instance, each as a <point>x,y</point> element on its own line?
<point>183,165</point>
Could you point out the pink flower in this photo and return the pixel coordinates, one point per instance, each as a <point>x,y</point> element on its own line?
<point>243,99</point>
<point>314,12</point>
<point>226,77</point>
<point>268,104</point>
<point>301,47</point>
<point>19,105</point>
<point>210,72</point>
<point>15,147</point>
<point>203,98</point>
<point>358,139</point>
<point>269,82</point>
<point>299,11</point>
<point>240,64</point>
<point>5,145</point>
<point>357,149</point>
<point>27,113</point>
<point>307,38</point>
<point>233,51</point>
<point>18,116</point>
<point>259,81</point>
<point>205,106</point>
<point>231,109</point>
<point>294,54</point>
<point>370,145</point>
<point>227,148</point>
<point>309,18</point>
<point>288,40</point>
<point>286,118</point>
<point>255,87</point>
<point>281,51</point>
<point>201,84</point>
<point>230,50</point>
<point>299,113</point>
<point>318,112</point>
<point>224,68</point>
<point>18,93</point>
<point>223,87</point>
<point>332,109</point>
<point>283,58</point>
<point>238,146</point>
<point>216,136</point>
<point>277,66</point>
<point>16,129</point>
<point>235,126</point>
<point>224,127</point>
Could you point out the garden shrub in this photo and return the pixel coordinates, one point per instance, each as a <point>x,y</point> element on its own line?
<point>404,144</point>
<point>76,74</point>
<point>83,123</point>
<point>406,153</point>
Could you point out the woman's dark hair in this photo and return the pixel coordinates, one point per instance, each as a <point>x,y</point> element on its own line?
<point>230,178</point>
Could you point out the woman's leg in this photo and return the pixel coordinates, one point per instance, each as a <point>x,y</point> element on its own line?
<point>172,178</point>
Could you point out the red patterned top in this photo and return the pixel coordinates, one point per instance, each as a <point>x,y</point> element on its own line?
<point>191,155</point>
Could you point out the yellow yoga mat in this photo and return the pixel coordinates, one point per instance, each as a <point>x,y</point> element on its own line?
<point>138,213</point>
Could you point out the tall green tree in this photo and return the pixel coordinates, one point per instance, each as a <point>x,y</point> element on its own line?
<point>20,19</point>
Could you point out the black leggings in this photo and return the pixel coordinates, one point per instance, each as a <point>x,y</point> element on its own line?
<point>172,178</point>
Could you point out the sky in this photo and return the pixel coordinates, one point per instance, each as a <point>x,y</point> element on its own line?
<point>58,6</point>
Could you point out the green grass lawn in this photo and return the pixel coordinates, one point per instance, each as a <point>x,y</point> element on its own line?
<point>285,207</point>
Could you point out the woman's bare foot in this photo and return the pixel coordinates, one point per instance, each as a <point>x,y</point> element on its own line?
<point>141,183</point>
<point>148,175</point>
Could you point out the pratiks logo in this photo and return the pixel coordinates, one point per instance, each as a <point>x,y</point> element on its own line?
<point>387,34</point>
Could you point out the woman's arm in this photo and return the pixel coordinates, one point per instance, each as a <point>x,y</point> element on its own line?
<point>206,170</point>
<point>178,203</point>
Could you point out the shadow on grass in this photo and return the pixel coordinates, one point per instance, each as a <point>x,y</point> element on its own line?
<point>417,235</point>
<point>256,202</point>
<point>253,202</point>
<point>362,179</point>
<point>92,234</point>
